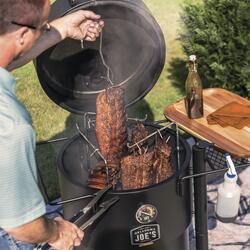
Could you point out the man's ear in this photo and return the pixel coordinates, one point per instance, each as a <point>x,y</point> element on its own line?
<point>22,35</point>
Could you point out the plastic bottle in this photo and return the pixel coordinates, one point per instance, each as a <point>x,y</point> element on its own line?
<point>228,195</point>
<point>194,94</point>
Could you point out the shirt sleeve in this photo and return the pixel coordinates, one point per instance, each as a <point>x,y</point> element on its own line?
<point>20,198</point>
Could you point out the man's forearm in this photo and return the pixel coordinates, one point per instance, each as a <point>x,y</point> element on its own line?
<point>37,231</point>
<point>79,25</point>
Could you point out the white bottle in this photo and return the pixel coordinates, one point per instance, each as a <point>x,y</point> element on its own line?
<point>228,195</point>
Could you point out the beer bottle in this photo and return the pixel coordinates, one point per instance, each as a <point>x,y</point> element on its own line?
<point>194,96</point>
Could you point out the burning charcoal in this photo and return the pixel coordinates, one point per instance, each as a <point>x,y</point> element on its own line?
<point>162,164</point>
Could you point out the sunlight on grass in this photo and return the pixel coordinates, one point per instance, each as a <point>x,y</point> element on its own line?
<point>167,15</point>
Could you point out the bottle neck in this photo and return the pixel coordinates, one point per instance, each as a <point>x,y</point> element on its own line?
<point>192,66</point>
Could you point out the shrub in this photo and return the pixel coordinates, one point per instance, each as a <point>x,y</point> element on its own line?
<point>218,32</point>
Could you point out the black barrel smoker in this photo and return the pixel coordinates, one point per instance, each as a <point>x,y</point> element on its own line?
<point>132,51</point>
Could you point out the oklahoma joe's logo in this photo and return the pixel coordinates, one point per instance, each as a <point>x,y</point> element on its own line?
<point>145,235</point>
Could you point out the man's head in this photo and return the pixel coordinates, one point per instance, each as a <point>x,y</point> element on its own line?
<point>28,12</point>
<point>21,22</point>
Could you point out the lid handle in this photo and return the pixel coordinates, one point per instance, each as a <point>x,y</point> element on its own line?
<point>73,3</point>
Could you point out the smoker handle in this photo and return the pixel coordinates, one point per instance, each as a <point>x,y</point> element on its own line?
<point>73,3</point>
<point>200,196</point>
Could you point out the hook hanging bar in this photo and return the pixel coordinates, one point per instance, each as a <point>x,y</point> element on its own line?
<point>104,62</point>
<point>149,136</point>
<point>96,150</point>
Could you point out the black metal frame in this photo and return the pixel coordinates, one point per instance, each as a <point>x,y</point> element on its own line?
<point>200,190</point>
<point>200,197</point>
<point>200,184</point>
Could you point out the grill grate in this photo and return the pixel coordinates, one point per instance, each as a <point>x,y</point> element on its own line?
<point>217,160</point>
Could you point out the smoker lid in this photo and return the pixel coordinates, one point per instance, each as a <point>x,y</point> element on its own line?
<point>133,47</point>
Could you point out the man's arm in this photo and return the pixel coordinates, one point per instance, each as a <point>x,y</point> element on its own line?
<point>22,207</point>
<point>78,25</point>
<point>39,230</point>
<point>59,233</point>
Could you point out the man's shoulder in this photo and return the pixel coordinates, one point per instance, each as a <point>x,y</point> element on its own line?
<point>16,132</point>
<point>12,122</point>
<point>12,113</point>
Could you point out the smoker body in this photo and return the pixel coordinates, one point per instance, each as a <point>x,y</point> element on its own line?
<point>119,228</point>
<point>133,47</point>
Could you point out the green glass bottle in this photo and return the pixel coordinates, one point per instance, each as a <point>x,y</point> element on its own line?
<point>194,93</point>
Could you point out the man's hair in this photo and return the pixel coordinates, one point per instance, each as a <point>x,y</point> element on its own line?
<point>21,11</point>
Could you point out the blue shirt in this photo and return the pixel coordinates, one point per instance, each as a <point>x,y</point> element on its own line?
<point>20,198</point>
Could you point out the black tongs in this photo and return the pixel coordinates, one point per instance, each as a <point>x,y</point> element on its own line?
<point>93,206</point>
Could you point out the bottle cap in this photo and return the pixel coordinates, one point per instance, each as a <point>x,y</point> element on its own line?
<point>192,58</point>
<point>230,165</point>
<point>230,177</point>
<point>231,174</point>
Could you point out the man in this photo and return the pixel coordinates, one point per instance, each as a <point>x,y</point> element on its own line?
<point>24,35</point>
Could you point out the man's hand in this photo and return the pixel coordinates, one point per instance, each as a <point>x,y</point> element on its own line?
<point>59,233</point>
<point>68,235</point>
<point>80,25</point>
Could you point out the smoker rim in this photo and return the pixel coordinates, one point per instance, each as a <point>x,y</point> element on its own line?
<point>177,173</point>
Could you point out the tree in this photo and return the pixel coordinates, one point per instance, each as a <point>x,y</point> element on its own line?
<point>218,32</point>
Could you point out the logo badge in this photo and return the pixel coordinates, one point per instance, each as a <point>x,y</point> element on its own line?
<point>145,235</point>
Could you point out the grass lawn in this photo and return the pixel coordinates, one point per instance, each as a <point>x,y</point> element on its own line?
<point>50,121</point>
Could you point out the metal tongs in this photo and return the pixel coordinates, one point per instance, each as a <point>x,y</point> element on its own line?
<point>93,206</point>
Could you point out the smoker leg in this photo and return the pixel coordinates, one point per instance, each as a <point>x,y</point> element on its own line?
<point>200,196</point>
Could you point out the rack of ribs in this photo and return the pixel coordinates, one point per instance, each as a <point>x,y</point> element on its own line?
<point>111,129</point>
<point>137,171</point>
<point>111,133</point>
<point>162,163</point>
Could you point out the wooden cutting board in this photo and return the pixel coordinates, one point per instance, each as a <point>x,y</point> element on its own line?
<point>229,139</point>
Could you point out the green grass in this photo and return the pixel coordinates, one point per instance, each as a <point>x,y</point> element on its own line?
<point>164,93</point>
<point>50,121</point>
